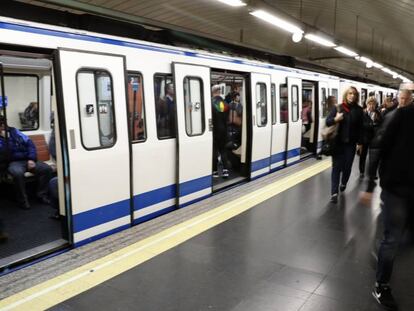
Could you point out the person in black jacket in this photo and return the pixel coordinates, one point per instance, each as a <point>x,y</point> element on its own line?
<point>349,116</point>
<point>397,183</point>
<point>371,122</point>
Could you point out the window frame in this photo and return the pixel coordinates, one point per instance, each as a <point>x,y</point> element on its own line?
<point>94,70</point>
<point>163,74</point>
<point>273,100</point>
<point>129,73</point>
<point>284,85</point>
<point>203,117</point>
<point>265,85</point>
<point>37,97</point>
<point>297,97</point>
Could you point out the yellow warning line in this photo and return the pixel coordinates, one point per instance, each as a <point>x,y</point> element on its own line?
<point>72,283</point>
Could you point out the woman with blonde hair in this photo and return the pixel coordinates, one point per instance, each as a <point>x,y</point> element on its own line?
<point>371,121</point>
<point>349,117</point>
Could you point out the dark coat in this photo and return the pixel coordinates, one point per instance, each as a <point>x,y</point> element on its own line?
<point>350,128</point>
<point>20,146</point>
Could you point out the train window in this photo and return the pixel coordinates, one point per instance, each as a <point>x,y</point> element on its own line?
<point>96,109</point>
<point>261,105</point>
<point>273,99</point>
<point>324,102</point>
<point>194,106</point>
<point>334,92</point>
<point>363,96</point>
<point>165,108</point>
<point>22,101</point>
<point>295,103</point>
<point>284,105</point>
<point>136,108</point>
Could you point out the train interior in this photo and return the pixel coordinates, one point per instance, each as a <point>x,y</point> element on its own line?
<point>230,146</point>
<point>36,225</point>
<point>309,118</point>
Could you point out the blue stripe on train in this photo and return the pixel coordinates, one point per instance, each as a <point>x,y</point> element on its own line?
<point>107,213</point>
<point>100,215</point>
<point>275,158</point>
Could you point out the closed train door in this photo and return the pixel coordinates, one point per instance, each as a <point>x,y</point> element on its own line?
<point>262,125</point>
<point>194,132</point>
<point>94,101</point>
<point>295,122</point>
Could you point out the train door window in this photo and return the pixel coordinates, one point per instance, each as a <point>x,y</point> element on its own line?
<point>284,103</point>
<point>194,106</point>
<point>295,103</point>
<point>22,101</point>
<point>324,102</point>
<point>380,98</point>
<point>136,108</point>
<point>261,105</point>
<point>334,92</point>
<point>273,99</point>
<point>363,96</point>
<point>164,106</point>
<point>96,110</point>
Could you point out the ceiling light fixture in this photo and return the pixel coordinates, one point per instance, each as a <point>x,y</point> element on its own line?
<point>346,51</point>
<point>297,37</point>
<point>276,21</point>
<point>234,3</point>
<point>320,40</point>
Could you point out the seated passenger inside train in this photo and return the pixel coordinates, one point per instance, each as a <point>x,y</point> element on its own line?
<point>29,118</point>
<point>22,159</point>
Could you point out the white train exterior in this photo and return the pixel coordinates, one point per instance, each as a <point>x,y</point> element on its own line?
<point>107,188</point>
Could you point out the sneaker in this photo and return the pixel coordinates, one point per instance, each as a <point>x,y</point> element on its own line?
<point>225,173</point>
<point>216,174</point>
<point>342,188</point>
<point>334,198</point>
<point>382,294</point>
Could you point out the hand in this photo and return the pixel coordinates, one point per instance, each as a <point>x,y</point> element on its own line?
<point>339,116</point>
<point>359,149</point>
<point>31,165</point>
<point>365,198</point>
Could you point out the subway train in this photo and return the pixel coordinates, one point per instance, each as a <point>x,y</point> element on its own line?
<point>133,127</point>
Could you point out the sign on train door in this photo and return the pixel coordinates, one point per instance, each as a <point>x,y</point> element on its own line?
<point>195,136</point>
<point>295,121</point>
<point>94,102</point>
<point>262,124</point>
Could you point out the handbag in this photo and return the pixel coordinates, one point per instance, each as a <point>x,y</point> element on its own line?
<point>329,134</point>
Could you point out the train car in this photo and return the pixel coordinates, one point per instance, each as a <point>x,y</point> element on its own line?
<point>133,128</point>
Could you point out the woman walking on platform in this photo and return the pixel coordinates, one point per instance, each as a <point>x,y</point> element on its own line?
<point>349,117</point>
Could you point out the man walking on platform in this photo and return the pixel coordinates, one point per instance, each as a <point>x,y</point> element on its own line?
<point>397,182</point>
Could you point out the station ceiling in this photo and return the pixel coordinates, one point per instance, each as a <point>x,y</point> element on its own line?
<point>378,29</point>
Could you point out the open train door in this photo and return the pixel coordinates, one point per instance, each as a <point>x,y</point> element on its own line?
<point>262,124</point>
<point>94,103</point>
<point>295,121</point>
<point>194,132</point>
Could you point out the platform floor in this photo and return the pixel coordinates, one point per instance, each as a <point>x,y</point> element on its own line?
<point>294,251</point>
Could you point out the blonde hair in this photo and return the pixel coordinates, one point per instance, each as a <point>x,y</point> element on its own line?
<point>346,93</point>
<point>371,99</point>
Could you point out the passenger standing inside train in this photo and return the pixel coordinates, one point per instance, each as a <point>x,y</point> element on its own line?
<point>397,183</point>
<point>220,112</point>
<point>24,159</point>
<point>371,122</point>
<point>349,117</point>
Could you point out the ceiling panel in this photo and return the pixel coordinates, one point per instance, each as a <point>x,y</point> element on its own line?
<point>380,29</point>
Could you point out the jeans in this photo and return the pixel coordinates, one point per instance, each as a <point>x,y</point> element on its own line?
<point>342,163</point>
<point>54,193</point>
<point>395,218</point>
<point>42,172</point>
